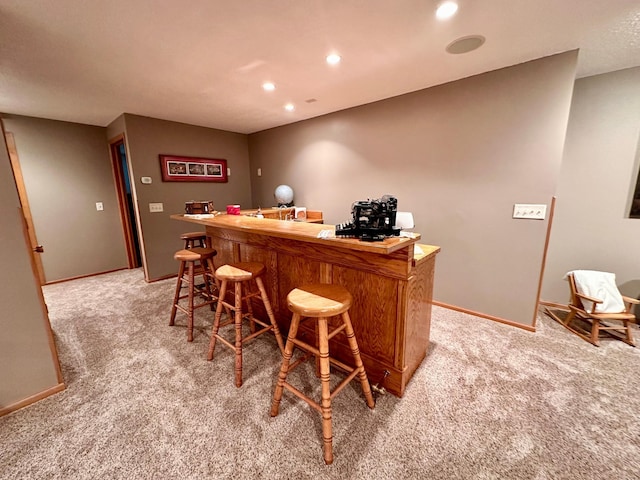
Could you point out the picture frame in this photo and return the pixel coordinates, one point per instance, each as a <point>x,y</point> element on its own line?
<point>177,168</point>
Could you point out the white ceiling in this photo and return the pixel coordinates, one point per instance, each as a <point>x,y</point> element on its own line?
<point>203,62</point>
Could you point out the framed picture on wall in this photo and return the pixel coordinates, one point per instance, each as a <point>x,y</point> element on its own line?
<point>192,169</point>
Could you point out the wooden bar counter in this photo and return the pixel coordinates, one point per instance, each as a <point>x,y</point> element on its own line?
<point>391,287</point>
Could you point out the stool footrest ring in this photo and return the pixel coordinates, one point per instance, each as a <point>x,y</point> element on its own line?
<point>336,331</point>
<point>300,360</point>
<point>301,395</point>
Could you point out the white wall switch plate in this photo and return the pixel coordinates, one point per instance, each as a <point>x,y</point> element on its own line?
<point>529,211</point>
<point>99,206</point>
<point>146,180</point>
<point>156,207</point>
<point>259,172</point>
<point>228,172</point>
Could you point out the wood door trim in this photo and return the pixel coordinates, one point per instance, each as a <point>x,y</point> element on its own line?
<point>125,218</point>
<point>544,258</point>
<point>26,209</point>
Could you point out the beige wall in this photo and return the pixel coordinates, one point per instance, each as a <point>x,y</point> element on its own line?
<point>591,229</point>
<point>147,138</point>
<point>27,364</point>
<point>115,128</point>
<point>67,169</point>
<point>458,156</point>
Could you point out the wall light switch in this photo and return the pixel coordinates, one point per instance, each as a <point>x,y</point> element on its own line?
<point>156,207</point>
<point>146,180</point>
<point>99,206</point>
<point>259,172</point>
<point>529,211</point>
<point>228,172</point>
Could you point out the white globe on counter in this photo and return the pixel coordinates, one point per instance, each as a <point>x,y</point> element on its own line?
<point>283,194</point>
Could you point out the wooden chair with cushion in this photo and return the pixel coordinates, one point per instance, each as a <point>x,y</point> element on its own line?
<point>613,314</point>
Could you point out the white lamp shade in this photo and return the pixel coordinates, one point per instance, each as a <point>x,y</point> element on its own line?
<point>404,220</point>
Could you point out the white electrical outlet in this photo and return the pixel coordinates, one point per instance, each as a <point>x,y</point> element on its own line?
<point>529,211</point>
<point>156,207</point>
<point>259,172</point>
<point>99,206</point>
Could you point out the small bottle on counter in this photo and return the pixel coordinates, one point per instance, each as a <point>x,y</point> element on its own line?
<point>259,213</point>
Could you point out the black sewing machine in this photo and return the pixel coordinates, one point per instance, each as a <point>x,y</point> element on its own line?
<point>372,220</point>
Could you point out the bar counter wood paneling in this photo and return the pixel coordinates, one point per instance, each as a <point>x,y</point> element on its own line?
<point>391,287</point>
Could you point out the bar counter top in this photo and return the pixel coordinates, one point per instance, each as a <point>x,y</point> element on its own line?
<point>300,231</point>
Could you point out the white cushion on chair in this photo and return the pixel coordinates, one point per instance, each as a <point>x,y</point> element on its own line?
<point>600,285</point>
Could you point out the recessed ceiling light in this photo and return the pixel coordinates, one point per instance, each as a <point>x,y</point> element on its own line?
<point>268,86</point>
<point>333,59</point>
<point>465,44</point>
<point>446,10</point>
<point>289,107</point>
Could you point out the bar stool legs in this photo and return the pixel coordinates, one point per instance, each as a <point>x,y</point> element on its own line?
<point>321,301</point>
<point>188,259</point>
<point>325,378</point>
<point>239,274</point>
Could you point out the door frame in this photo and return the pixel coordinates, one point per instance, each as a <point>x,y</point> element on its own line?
<point>125,217</point>
<point>26,210</point>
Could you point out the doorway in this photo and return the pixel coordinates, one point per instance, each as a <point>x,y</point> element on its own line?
<point>125,199</point>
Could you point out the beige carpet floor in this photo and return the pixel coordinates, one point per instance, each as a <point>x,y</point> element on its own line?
<point>489,402</point>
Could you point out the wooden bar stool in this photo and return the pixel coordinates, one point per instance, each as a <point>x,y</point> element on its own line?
<point>239,273</point>
<point>193,262</point>
<point>321,301</point>
<point>194,239</point>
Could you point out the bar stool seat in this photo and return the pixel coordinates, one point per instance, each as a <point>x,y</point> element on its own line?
<point>239,274</point>
<point>194,239</point>
<point>193,262</point>
<point>321,301</point>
